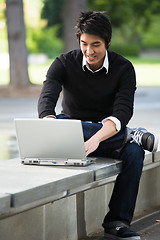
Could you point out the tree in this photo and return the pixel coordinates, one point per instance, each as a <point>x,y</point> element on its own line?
<point>71,11</point>
<point>17,46</point>
<point>64,13</point>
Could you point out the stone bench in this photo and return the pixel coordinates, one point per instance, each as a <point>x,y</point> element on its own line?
<point>28,184</point>
<point>51,194</point>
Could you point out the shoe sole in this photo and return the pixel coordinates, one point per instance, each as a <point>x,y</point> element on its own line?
<point>109,236</point>
<point>155,144</point>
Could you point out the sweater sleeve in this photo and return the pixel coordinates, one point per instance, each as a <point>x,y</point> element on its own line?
<point>124,98</point>
<point>51,89</point>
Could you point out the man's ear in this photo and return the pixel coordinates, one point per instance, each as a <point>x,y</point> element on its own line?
<point>109,43</point>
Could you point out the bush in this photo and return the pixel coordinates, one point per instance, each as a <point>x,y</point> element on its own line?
<point>44,41</point>
<point>126,49</point>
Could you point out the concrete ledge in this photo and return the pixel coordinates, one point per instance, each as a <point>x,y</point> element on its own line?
<point>31,186</point>
<point>34,185</point>
<point>5,202</point>
<point>71,209</point>
<point>27,184</point>
<point>156,157</point>
<point>148,157</point>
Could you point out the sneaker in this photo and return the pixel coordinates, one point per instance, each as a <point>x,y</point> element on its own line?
<point>121,233</point>
<point>144,138</point>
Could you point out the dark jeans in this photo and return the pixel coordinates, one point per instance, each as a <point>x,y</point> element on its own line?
<point>123,199</point>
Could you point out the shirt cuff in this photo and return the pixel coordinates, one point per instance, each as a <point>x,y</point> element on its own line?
<point>115,120</point>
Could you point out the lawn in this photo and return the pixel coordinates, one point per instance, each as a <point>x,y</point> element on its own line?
<point>36,72</point>
<point>147,72</point>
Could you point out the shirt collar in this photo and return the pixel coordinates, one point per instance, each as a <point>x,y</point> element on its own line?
<point>105,64</point>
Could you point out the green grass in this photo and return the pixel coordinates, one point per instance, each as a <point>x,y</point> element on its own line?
<point>147,72</point>
<point>4,77</point>
<point>137,60</point>
<point>37,72</point>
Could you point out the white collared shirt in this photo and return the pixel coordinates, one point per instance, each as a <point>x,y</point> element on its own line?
<point>106,66</point>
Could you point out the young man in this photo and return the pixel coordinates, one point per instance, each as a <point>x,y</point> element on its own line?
<point>98,88</point>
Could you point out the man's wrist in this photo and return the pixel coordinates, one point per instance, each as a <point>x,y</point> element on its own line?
<point>115,120</point>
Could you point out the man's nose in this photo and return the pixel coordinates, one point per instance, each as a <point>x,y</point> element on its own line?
<point>90,50</point>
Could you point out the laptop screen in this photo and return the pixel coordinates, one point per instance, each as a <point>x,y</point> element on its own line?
<point>50,138</point>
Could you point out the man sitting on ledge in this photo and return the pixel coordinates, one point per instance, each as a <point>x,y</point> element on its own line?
<point>98,88</point>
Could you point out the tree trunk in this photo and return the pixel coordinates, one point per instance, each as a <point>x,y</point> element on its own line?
<point>17,44</point>
<point>71,11</point>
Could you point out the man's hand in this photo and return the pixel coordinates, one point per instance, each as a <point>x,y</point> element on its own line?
<point>91,145</point>
<point>108,130</point>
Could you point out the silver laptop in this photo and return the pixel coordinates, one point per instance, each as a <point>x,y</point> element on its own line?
<point>51,142</point>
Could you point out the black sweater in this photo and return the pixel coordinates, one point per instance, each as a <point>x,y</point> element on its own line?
<point>89,96</point>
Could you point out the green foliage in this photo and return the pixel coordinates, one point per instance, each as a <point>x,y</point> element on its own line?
<point>118,10</point>
<point>135,23</point>
<point>3,41</point>
<point>52,11</point>
<point>124,11</point>
<point>126,49</point>
<point>3,30</point>
<point>151,38</point>
<point>44,41</point>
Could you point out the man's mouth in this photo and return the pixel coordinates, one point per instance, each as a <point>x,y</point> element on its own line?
<point>90,58</point>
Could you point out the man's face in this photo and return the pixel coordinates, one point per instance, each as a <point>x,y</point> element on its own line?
<point>94,50</point>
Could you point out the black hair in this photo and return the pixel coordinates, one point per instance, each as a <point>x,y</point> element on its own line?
<point>95,23</point>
